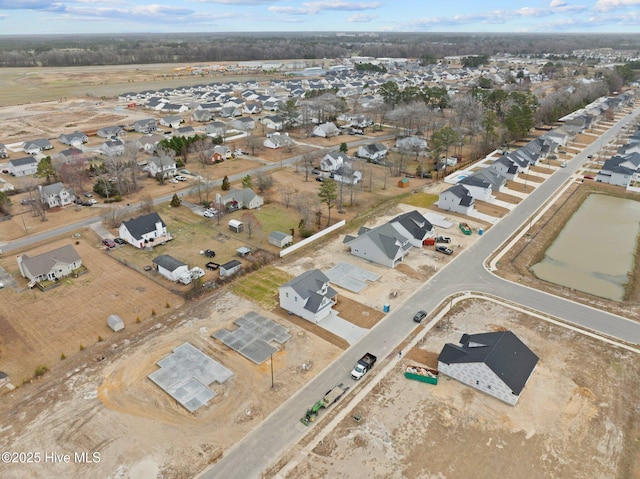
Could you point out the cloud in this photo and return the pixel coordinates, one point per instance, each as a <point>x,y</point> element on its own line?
<point>312,8</point>
<point>238,2</point>
<point>606,5</point>
<point>557,3</point>
<point>361,18</point>
<point>28,5</point>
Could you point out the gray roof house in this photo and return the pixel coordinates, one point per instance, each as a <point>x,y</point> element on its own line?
<point>244,123</point>
<point>505,167</point>
<point>165,167</point>
<point>619,170</point>
<point>413,226</point>
<point>112,148</point>
<point>201,115</point>
<point>74,139</point>
<point>375,152</point>
<point>216,128</point>
<point>457,199</point>
<point>244,198</point>
<point>280,239</point>
<point>145,230</point>
<point>498,364</point>
<point>333,160</point>
<point>52,265</point>
<point>277,140</point>
<point>309,296</point>
<point>383,245</point>
<point>326,130</point>
<point>173,121</point>
<point>478,187</point>
<point>24,166</point>
<point>36,146</point>
<point>111,131</point>
<point>147,125</point>
<point>56,194</point>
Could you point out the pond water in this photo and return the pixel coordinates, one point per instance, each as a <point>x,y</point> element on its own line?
<point>594,252</point>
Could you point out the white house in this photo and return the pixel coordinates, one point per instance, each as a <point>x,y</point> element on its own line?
<point>383,245</point>
<point>333,160</point>
<point>147,125</point>
<point>230,268</point>
<point>457,199</point>
<point>477,187</point>
<point>244,123</point>
<point>277,140</point>
<point>36,146</point>
<point>498,364</point>
<point>411,143</point>
<point>27,165</point>
<point>145,230</point>
<point>309,296</point>
<point>76,138</point>
<point>112,148</point>
<point>56,195</point>
<point>52,265</point>
<point>170,267</point>
<point>374,152</point>
<point>413,226</point>
<point>164,167</point>
<point>173,121</point>
<point>326,130</point>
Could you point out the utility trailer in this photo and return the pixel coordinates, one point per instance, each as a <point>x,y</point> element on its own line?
<point>332,396</point>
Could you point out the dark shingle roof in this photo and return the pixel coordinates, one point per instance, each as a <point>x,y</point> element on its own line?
<point>168,262</point>
<point>143,225</point>
<point>503,352</point>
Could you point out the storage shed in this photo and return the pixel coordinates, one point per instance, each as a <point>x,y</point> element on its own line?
<point>236,226</point>
<point>230,268</point>
<point>280,239</point>
<point>115,322</point>
<point>403,183</point>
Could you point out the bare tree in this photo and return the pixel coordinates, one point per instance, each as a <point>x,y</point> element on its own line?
<point>146,206</point>
<point>252,143</point>
<point>251,223</point>
<point>112,216</point>
<point>202,148</point>
<point>286,193</point>
<point>264,181</point>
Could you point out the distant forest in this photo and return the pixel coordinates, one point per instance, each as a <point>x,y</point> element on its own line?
<point>127,49</point>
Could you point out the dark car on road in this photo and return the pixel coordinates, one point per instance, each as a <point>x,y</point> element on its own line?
<point>444,249</point>
<point>419,316</point>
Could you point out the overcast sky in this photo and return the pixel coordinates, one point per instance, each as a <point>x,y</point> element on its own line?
<point>133,16</point>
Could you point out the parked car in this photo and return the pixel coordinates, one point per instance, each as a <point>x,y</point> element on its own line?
<point>5,171</point>
<point>444,249</point>
<point>180,178</point>
<point>209,253</point>
<point>208,214</point>
<point>588,177</point>
<point>419,316</point>
<point>108,243</point>
<point>88,195</point>
<point>173,180</point>
<point>443,239</point>
<point>590,156</point>
<point>93,201</point>
<point>563,164</point>
<point>119,241</point>
<point>319,178</point>
<point>315,172</point>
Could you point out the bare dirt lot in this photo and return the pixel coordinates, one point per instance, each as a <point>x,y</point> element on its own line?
<point>574,419</point>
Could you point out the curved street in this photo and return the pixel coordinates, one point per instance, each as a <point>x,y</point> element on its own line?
<point>468,272</point>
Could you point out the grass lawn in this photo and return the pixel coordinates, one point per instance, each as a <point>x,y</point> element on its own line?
<point>420,200</point>
<point>261,286</point>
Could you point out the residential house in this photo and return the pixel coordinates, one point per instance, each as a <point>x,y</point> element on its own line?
<point>244,198</point>
<point>413,226</point>
<point>230,112</point>
<point>347,174</point>
<point>147,125</point>
<point>374,152</point>
<point>71,155</point>
<point>3,151</point>
<point>383,245</point>
<point>273,122</point>
<point>170,267</point>
<point>478,187</point>
<point>277,140</point>
<point>144,231</point>
<point>308,296</point>
<point>505,167</point>
<point>411,143</point>
<point>326,130</point>
<point>111,132</point>
<point>36,146</point>
<point>223,150</point>
<point>76,138</point>
<point>112,148</point>
<point>244,123</point>
<point>27,165</point>
<point>164,167</point>
<point>185,131</point>
<point>271,105</point>
<point>52,265</point>
<point>201,115</point>
<point>620,170</point>
<point>456,199</point>
<point>498,364</point>
<point>216,128</point>
<point>148,143</point>
<point>56,195</point>
<point>172,121</point>
<point>334,160</point>
<point>252,107</point>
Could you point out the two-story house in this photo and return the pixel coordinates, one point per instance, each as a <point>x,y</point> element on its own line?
<point>56,195</point>
<point>309,296</point>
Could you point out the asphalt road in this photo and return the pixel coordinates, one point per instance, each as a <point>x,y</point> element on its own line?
<point>467,272</point>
